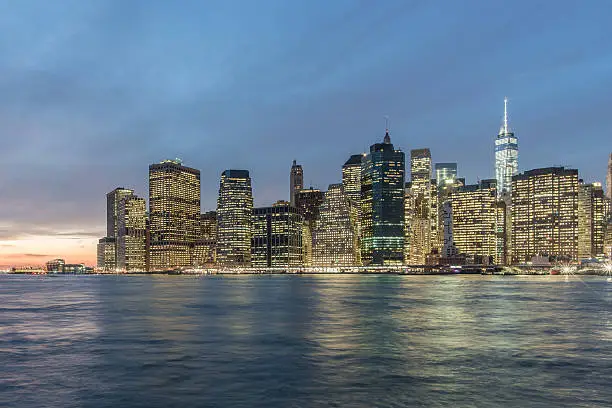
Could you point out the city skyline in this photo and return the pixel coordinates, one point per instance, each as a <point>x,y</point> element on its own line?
<point>78,126</point>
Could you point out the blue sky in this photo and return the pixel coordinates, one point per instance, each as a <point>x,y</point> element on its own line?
<point>92,92</point>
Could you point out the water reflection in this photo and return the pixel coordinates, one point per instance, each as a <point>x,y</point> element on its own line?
<point>304,341</point>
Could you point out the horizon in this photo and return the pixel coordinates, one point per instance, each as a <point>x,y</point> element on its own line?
<point>93,93</point>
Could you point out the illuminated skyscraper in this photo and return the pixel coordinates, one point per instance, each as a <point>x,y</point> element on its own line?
<point>277,236</point>
<point>382,205</point>
<point>112,207</point>
<point>609,179</point>
<point>106,254</point>
<point>174,203</point>
<point>307,202</point>
<point>506,156</point>
<point>446,173</point>
<point>335,239</point>
<point>351,178</point>
<point>296,181</point>
<point>545,214</point>
<point>478,222</point>
<point>593,213</point>
<point>425,219</point>
<point>131,223</point>
<point>234,218</point>
<point>205,247</point>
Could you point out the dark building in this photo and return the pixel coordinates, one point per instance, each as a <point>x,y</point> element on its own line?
<point>296,181</point>
<point>277,236</point>
<point>382,205</point>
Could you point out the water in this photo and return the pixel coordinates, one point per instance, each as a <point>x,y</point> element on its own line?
<point>305,341</point>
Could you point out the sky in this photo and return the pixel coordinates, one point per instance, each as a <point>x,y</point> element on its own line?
<point>92,92</point>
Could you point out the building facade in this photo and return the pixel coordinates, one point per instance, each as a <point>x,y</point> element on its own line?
<point>382,205</point>
<point>545,214</point>
<point>446,174</point>
<point>277,236</point>
<point>296,181</point>
<point>174,213</point>
<point>204,251</point>
<point>336,238</point>
<point>307,202</point>
<point>131,238</point>
<point>425,235</point>
<point>112,209</point>
<point>593,214</point>
<point>234,219</point>
<point>478,222</point>
<point>106,254</point>
<point>506,156</point>
<point>609,179</point>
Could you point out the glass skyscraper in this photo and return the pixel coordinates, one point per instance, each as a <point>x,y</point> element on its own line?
<point>506,156</point>
<point>382,204</point>
<point>277,236</point>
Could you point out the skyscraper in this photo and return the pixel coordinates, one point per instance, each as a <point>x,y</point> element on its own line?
<point>593,213</point>
<point>204,251</point>
<point>382,204</point>
<point>234,218</point>
<point>506,156</point>
<point>296,181</point>
<point>351,178</point>
<point>335,239</point>
<point>307,202</point>
<point>609,179</point>
<point>446,173</point>
<point>112,207</point>
<point>425,219</point>
<point>131,236</point>
<point>277,236</point>
<point>545,214</point>
<point>174,203</point>
<point>106,254</point>
<point>478,223</point>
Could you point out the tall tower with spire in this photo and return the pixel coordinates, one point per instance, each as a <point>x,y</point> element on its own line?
<point>382,204</point>
<point>506,156</point>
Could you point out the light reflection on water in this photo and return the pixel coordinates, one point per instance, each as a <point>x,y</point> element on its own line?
<point>305,341</point>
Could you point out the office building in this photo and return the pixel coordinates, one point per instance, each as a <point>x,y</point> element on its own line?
<point>382,205</point>
<point>131,234</point>
<point>593,214</point>
<point>307,202</point>
<point>351,178</point>
<point>506,156</point>
<point>112,208</point>
<point>545,214</point>
<point>478,222</point>
<point>609,179</point>
<point>446,173</point>
<point>426,218</point>
<point>174,214</point>
<point>296,181</point>
<point>205,247</point>
<point>277,236</point>
<point>336,239</point>
<point>106,254</point>
<point>234,219</point>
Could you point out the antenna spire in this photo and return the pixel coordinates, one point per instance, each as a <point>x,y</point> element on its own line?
<point>506,115</point>
<point>387,137</point>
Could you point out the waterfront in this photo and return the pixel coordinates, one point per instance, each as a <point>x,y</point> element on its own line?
<point>305,341</point>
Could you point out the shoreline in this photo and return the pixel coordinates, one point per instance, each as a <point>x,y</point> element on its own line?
<point>309,273</point>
